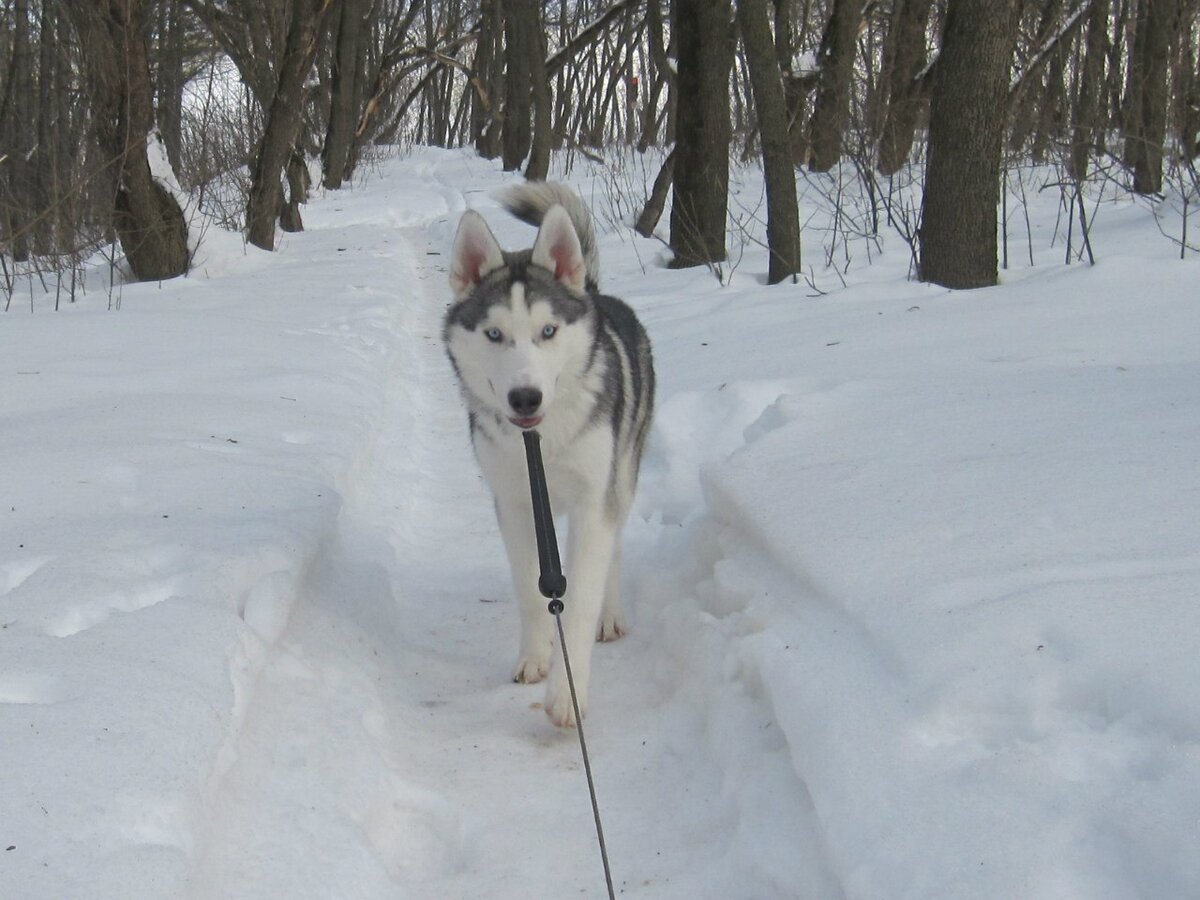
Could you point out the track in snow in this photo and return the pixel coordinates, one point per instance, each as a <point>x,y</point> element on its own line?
<point>382,724</point>
<point>385,753</point>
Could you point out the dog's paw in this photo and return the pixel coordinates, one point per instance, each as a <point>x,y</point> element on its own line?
<point>558,704</point>
<point>611,628</point>
<point>531,670</point>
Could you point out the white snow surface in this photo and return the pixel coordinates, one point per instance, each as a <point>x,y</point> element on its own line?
<point>913,581</point>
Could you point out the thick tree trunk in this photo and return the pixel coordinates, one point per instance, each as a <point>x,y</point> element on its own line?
<point>146,217</point>
<point>283,122</point>
<point>904,57</point>
<point>832,106</point>
<point>343,107</point>
<point>795,87</point>
<point>520,47</point>
<point>1146,102</point>
<point>783,35</point>
<point>1088,126</point>
<point>966,130</point>
<point>783,216</point>
<point>698,210</point>
<point>489,68</point>
<point>539,150</point>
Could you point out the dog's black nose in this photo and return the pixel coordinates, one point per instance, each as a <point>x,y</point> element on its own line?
<point>525,401</point>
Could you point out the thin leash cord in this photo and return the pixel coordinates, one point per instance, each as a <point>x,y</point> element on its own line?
<point>553,585</point>
<point>587,766</point>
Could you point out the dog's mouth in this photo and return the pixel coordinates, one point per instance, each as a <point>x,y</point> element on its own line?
<point>526,422</point>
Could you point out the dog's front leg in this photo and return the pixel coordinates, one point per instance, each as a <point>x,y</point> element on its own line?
<point>591,541</point>
<point>515,516</point>
<point>612,620</point>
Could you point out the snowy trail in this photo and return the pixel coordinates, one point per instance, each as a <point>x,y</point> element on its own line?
<point>384,737</point>
<point>341,750</point>
<point>388,686</point>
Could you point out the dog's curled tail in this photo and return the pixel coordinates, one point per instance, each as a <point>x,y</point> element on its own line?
<point>530,203</point>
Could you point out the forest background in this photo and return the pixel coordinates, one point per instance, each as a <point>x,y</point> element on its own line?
<point>921,112</point>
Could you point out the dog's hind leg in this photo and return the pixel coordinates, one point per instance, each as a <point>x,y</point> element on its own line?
<point>537,625</point>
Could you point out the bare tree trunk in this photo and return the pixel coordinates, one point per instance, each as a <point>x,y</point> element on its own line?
<point>783,216</point>
<point>795,87</point>
<point>539,150</point>
<point>1089,118</point>
<point>832,106</point>
<point>904,57</point>
<point>1146,102</point>
<point>284,118</point>
<point>517,132</point>
<point>69,138</point>
<point>343,108</point>
<point>19,140</point>
<point>631,83</point>
<point>783,36</point>
<point>698,211</point>
<point>784,51</point>
<point>148,220</point>
<point>966,131</point>
<point>296,172</point>
<point>662,76</point>
<point>655,204</point>
<point>489,67</point>
<point>47,145</point>
<point>1186,82</point>
<point>741,124</point>
<point>169,81</point>
<point>1121,38</point>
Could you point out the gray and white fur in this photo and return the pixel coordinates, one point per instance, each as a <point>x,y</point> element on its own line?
<point>534,344</point>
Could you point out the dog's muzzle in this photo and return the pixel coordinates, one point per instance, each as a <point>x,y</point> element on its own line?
<point>525,402</point>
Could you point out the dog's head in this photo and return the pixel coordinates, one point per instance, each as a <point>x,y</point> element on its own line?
<point>519,322</point>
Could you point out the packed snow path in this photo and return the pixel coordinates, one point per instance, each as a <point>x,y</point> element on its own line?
<point>383,736</point>
<point>257,623</point>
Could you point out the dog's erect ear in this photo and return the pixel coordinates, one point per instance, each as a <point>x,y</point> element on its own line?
<point>557,249</point>
<point>475,253</point>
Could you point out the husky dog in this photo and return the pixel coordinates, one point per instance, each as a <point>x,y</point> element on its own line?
<point>535,345</point>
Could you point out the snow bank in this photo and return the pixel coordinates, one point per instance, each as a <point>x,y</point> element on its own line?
<point>955,563</point>
<point>171,470</point>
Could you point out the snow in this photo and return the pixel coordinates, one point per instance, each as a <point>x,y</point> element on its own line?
<point>911,579</point>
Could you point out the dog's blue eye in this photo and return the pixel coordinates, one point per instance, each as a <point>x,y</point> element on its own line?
<point>549,331</point>
<point>493,335</point>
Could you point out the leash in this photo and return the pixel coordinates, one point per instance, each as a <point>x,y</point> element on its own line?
<point>553,584</point>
